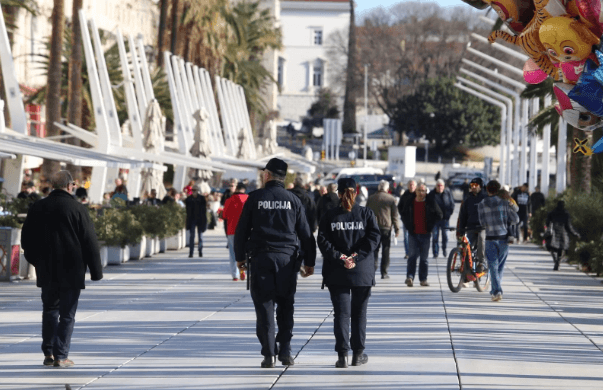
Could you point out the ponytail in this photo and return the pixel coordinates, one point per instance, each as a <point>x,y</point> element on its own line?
<point>348,198</point>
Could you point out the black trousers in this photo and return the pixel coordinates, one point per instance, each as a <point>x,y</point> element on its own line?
<point>350,304</point>
<point>557,254</point>
<point>58,319</point>
<point>386,241</point>
<point>273,283</point>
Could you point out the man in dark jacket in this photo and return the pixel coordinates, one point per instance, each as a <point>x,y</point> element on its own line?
<point>468,221</point>
<point>445,201</point>
<point>308,203</point>
<point>59,240</point>
<point>406,195</point>
<point>522,198</point>
<point>537,199</point>
<point>327,201</point>
<point>419,216</point>
<point>196,217</point>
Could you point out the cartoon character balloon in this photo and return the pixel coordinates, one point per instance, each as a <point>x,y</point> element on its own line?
<point>561,37</point>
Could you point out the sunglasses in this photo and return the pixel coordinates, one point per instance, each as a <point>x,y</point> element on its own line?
<point>474,185</point>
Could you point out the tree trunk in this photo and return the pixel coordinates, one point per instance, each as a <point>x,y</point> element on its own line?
<point>162,27</point>
<point>174,36</point>
<point>587,162</point>
<point>53,99</point>
<point>75,81</point>
<point>349,103</point>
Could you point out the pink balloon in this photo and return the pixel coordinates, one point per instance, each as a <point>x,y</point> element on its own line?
<point>532,74</point>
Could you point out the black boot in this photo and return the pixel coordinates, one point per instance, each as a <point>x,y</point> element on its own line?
<point>342,362</point>
<point>556,267</point>
<point>359,359</point>
<point>268,361</point>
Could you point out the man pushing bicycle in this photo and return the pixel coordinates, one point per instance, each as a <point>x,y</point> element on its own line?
<point>468,222</point>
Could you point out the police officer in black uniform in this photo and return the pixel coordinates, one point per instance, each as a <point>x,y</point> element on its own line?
<point>273,231</point>
<point>347,237</point>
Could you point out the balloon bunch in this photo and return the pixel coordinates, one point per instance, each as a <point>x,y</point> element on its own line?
<point>562,39</point>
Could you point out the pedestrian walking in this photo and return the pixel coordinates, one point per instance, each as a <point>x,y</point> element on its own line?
<point>559,226</point>
<point>306,200</point>
<point>522,198</point>
<point>196,219</point>
<point>273,233</point>
<point>468,221</point>
<point>384,207</point>
<point>419,215</point>
<point>231,214</point>
<point>495,215</point>
<point>327,201</point>
<point>411,186</point>
<point>59,240</point>
<point>466,188</point>
<point>348,237</point>
<point>537,200</point>
<point>445,201</point>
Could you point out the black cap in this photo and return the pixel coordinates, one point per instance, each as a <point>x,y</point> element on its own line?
<point>345,183</point>
<point>278,166</point>
<point>479,181</point>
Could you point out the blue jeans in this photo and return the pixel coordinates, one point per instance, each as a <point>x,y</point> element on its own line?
<point>234,271</point>
<point>419,248</point>
<point>58,319</point>
<point>496,253</point>
<point>441,225</point>
<point>191,240</point>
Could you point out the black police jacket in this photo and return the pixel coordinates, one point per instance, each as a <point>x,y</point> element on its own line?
<point>343,232</point>
<point>273,220</point>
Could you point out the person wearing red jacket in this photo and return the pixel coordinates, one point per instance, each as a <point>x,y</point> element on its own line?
<point>231,214</point>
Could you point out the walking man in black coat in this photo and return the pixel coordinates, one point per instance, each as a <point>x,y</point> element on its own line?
<point>196,218</point>
<point>307,201</point>
<point>59,240</point>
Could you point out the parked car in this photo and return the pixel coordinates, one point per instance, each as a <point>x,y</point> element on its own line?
<point>371,182</point>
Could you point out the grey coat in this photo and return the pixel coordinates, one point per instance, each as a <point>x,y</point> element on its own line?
<point>558,229</point>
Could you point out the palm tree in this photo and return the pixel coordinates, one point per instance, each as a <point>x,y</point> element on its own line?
<point>53,99</point>
<point>349,102</point>
<point>252,33</point>
<point>163,14</point>
<point>75,80</point>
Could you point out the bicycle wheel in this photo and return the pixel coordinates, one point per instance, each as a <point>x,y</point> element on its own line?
<point>482,283</point>
<point>454,273</point>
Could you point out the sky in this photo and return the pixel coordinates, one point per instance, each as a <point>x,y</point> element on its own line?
<point>365,5</point>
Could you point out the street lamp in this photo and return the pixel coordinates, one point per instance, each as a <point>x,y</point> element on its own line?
<point>504,136</point>
<point>503,115</point>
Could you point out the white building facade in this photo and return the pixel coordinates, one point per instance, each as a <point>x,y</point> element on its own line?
<point>302,65</point>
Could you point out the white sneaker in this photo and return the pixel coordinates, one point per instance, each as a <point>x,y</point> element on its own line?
<point>497,297</point>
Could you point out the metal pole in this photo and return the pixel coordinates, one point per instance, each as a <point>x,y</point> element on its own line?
<point>561,156</point>
<point>546,147</point>
<point>523,170</point>
<point>534,148</point>
<point>365,110</point>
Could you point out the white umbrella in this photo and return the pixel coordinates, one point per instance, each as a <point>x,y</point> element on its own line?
<point>201,147</point>
<point>244,152</point>
<point>154,138</point>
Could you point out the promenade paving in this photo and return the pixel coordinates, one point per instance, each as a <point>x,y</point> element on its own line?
<point>170,322</point>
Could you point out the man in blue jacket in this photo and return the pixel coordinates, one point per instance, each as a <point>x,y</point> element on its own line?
<point>442,196</point>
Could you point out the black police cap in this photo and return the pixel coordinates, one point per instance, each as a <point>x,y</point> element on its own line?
<point>345,183</point>
<point>278,166</point>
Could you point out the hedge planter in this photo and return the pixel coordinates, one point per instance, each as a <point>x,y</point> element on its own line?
<point>117,255</point>
<point>156,248</point>
<point>173,243</point>
<point>138,251</point>
<point>150,250</point>
<point>104,256</point>
<point>10,253</point>
<point>162,245</point>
